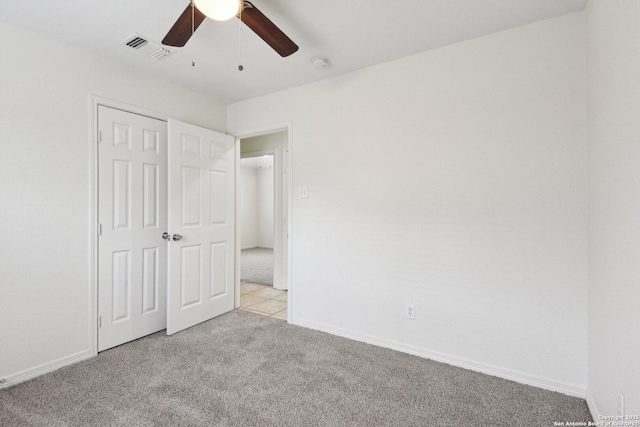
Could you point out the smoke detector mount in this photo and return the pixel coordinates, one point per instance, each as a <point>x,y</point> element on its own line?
<point>320,62</point>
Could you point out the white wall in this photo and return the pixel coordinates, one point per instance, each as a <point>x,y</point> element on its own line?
<point>613,94</point>
<point>45,187</point>
<point>257,202</point>
<point>265,207</point>
<point>248,207</point>
<point>271,141</point>
<point>455,180</point>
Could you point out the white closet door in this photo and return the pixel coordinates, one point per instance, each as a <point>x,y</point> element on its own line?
<point>202,223</point>
<point>132,211</point>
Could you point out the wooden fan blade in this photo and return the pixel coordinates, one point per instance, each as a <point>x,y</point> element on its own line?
<point>267,30</point>
<point>184,27</point>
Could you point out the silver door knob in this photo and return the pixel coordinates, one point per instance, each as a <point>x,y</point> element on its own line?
<point>166,236</point>
<point>177,237</point>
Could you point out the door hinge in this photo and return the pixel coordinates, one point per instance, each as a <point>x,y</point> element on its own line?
<point>99,322</point>
<point>99,136</point>
<point>99,229</point>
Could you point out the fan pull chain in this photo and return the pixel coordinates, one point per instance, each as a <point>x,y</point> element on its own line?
<point>193,25</point>
<point>240,67</point>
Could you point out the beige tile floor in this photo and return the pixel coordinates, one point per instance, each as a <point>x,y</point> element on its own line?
<point>263,300</point>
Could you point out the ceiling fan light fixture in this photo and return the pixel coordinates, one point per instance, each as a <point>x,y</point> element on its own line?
<point>220,10</point>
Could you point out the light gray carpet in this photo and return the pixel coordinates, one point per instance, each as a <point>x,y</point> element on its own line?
<point>256,266</point>
<point>242,369</point>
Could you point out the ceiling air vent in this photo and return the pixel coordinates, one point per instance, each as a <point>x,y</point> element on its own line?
<point>160,53</point>
<point>136,41</point>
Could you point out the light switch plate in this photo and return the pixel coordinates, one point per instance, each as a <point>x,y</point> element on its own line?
<point>303,192</point>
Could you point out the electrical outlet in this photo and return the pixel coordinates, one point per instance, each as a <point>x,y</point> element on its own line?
<point>303,192</point>
<point>411,312</point>
<point>621,404</point>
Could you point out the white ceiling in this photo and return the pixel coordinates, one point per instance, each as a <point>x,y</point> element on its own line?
<point>352,34</point>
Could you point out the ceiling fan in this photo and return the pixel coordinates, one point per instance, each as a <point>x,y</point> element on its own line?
<point>222,10</point>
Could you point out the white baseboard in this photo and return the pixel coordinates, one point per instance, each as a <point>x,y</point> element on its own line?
<point>532,380</point>
<point>28,374</point>
<point>595,414</point>
<point>523,378</point>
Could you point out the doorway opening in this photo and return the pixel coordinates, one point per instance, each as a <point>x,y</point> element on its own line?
<point>257,180</point>
<point>263,235</point>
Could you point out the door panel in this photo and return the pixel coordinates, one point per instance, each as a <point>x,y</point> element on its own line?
<point>191,195</point>
<point>121,191</point>
<point>151,189</point>
<point>219,271</point>
<point>202,211</point>
<point>218,205</point>
<point>121,279</point>
<point>150,279</point>
<point>132,211</point>
<point>190,280</point>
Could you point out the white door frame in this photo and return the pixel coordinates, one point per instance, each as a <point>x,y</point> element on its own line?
<point>287,157</point>
<point>94,102</point>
